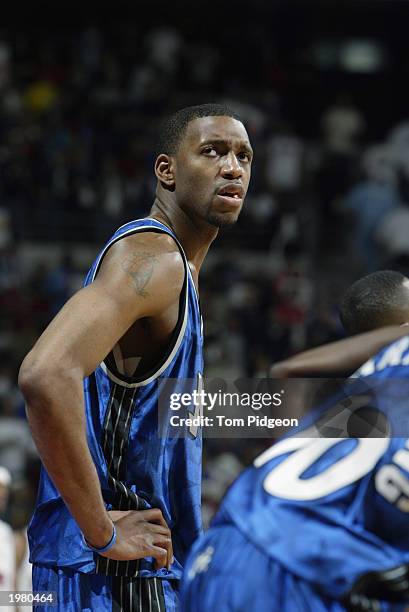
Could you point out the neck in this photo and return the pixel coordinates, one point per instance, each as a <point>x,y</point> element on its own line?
<point>195,235</point>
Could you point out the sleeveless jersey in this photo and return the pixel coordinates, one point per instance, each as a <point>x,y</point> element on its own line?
<point>137,468</point>
<point>332,509</point>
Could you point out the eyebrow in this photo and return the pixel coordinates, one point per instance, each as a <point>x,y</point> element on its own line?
<point>217,140</point>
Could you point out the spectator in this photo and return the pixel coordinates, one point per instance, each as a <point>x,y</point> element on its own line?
<point>369,201</point>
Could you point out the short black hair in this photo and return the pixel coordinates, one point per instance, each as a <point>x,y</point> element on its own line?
<point>375,300</point>
<point>173,128</point>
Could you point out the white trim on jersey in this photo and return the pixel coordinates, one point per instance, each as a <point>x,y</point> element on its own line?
<point>156,592</point>
<point>114,431</point>
<point>135,229</point>
<point>162,368</point>
<point>113,240</point>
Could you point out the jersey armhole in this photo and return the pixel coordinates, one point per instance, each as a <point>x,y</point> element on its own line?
<point>108,365</point>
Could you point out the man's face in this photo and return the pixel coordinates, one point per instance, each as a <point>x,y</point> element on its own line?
<point>212,169</point>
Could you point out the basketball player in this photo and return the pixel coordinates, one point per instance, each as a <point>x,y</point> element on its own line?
<point>317,524</point>
<point>377,300</point>
<point>119,507</point>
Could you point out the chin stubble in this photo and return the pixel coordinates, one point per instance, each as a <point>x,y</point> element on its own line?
<point>220,221</point>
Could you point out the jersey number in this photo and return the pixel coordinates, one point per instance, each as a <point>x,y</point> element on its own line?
<point>285,480</point>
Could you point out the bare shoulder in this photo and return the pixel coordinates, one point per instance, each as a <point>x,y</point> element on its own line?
<point>147,246</point>
<point>148,265</point>
<point>153,242</point>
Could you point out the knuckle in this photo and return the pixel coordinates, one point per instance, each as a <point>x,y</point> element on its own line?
<point>146,548</point>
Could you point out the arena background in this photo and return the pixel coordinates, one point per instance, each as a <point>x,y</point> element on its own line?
<point>322,88</point>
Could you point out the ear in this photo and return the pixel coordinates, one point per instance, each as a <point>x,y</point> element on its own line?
<point>164,170</point>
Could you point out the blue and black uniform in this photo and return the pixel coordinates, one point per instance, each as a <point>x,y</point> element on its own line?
<point>137,469</point>
<point>315,524</point>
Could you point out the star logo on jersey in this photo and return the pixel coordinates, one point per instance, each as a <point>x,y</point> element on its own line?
<point>201,563</point>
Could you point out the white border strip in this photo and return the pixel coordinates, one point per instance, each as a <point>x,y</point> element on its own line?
<point>158,372</point>
<point>178,342</point>
<point>113,240</point>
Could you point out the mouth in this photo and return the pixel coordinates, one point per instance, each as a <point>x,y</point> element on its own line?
<point>232,195</point>
<point>231,201</point>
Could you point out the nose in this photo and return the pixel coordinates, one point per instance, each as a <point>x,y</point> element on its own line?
<point>231,166</point>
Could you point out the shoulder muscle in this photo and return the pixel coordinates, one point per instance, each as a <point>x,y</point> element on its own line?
<point>146,269</point>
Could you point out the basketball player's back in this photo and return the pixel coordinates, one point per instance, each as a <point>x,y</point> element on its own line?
<point>314,515</point>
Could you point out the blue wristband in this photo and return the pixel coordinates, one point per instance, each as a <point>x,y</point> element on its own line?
<point>103,548</point>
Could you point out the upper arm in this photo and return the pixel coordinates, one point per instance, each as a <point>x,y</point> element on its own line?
<point>341,357</point>
<point>140,276</point>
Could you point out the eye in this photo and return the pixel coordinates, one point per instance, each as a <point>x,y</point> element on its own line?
<point>210,151</point>
<point>244,156</point>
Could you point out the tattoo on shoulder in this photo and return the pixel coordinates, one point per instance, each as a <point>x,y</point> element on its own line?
<point>139,266</point>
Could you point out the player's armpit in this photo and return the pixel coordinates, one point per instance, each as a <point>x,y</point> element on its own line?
<point>141,276</point>
<point>73,345</point>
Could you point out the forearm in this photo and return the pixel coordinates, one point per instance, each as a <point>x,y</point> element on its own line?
<point>55,411</point>
<point>340,357</point>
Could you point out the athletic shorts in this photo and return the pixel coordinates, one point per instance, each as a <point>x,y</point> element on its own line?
<point>79,592</point>
<point>225,572</point>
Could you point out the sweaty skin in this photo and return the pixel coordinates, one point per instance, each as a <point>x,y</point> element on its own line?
<point>134,301</point>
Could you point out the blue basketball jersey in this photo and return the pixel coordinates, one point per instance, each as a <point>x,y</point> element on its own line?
<point>329,510</point>
<point>137,468</point>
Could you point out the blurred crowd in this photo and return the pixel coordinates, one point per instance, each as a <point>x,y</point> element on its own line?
<point>78,115</point>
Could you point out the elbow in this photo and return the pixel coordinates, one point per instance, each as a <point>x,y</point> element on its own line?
<point>29,380</point>
<point>35,379</point>
<point>26,377</point>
